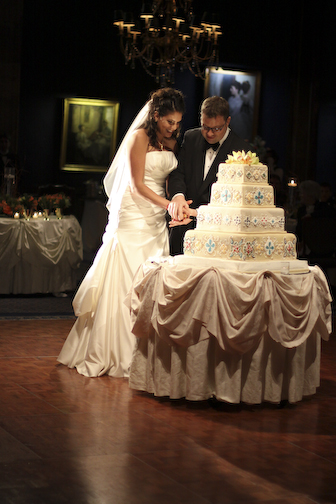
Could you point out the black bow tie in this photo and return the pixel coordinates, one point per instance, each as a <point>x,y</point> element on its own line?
<point>214,146</point>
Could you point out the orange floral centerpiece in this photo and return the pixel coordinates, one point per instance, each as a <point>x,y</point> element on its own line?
<point>27,204</point>
<point>5,208</point>
<point>9,206</point>
<point>53,201</point>
<point>56,202</point>
<point>46,202</point>
<point>61,201</point>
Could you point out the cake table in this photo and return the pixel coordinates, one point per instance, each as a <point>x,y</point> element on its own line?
<point>237,335</point>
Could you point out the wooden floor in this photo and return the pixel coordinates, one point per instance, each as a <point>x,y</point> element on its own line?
<point>65,438</point>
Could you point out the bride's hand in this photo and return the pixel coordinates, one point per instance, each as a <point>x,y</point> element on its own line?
<point>190,212</point>
<point>174,223</point>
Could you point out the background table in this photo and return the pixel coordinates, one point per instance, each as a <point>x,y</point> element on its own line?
<point>38,256</point>
<point>206,332</point>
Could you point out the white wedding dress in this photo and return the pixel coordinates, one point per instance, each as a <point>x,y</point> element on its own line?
<point>101,341</point>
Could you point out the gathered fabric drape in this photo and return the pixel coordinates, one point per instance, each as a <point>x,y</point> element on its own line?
<point>38,255</point>
<point>229,318</point>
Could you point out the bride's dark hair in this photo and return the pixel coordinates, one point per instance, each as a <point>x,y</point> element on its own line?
<point>163,101</point>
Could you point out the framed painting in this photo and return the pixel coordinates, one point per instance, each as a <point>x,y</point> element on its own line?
<point>89,134</point>
<point>242,91</point>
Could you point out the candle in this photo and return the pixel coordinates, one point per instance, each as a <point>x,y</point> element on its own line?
<point>35,215</point>
<point>16,215</point>
<point>292,183</point>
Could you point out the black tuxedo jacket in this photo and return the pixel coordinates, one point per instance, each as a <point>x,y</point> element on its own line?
<point>188,176</point>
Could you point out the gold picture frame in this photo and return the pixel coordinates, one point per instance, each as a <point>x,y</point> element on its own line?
<point>89,134</point>
<point>242,90</point>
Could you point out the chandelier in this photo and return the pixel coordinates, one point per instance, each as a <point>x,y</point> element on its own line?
<point>168,34</point>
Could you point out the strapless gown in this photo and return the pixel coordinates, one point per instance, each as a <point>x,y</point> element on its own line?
<point>101,341</point>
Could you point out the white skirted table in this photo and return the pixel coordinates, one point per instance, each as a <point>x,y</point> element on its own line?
<point>39,256</point>
<point>240,337</point>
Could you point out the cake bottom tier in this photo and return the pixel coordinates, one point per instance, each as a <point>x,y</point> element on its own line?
<point>240,247</point>
<point>293,267</point>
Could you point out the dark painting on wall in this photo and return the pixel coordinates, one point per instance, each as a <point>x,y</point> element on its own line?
<point>242,91</point>
<point>89,134</point>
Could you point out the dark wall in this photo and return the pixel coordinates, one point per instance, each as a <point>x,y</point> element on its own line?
<point>71,49</point>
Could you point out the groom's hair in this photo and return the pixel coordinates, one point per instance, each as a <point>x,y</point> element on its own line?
<point>215,106</point>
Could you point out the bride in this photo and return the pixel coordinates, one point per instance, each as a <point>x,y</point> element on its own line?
<point>101,341</point>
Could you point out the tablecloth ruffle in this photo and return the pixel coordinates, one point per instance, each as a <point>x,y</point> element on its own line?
<point>39,256</point>
<point>205,332</point>
<point>236,308</point>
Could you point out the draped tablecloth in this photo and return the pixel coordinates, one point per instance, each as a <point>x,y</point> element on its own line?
<point>39,256</point>
<point>249,337</point>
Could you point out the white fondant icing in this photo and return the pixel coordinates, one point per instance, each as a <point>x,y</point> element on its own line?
<point>238,246</point>
<point>238,173</point>
<point>292,267</point>
<point>242,195</point>
<point>241,222</point>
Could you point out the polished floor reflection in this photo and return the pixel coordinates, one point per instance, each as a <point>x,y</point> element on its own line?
<point>65,438</point>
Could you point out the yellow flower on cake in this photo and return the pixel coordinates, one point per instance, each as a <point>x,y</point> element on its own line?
<point>231,174</point>
<point>198,245</point>
<point>223,249</point>
<point>256,174</point>
<point>279,248</point>
<point>259,249</point>
<point>249,197</point>
<point>237,196</point>
<point>242,157</point>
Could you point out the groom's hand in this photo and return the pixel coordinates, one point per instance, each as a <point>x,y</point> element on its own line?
<point>178,208</point>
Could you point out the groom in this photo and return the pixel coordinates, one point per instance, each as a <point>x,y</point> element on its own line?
<point>201,152</point>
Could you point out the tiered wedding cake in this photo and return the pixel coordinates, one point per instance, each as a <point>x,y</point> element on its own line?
<point>241,223</point>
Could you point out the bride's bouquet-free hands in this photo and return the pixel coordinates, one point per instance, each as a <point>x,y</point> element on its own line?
<point>189,214</point>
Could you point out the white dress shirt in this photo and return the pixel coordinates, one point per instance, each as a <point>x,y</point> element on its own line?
<point>211,154</point>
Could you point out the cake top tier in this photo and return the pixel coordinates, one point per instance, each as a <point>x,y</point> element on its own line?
<point>242,157</point>
<point>242,168</point>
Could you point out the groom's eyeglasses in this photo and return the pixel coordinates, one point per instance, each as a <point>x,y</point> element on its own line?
<point>213,130</point>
